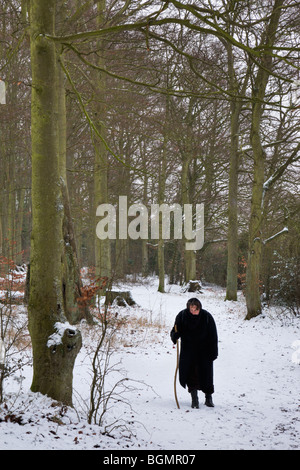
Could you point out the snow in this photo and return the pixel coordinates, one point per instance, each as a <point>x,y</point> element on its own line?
<point>56,338</point>
<point>256,385</point>
<point>296,354</point>
<point>13,295</point>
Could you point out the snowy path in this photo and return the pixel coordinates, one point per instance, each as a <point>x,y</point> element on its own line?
<point>256,387</point>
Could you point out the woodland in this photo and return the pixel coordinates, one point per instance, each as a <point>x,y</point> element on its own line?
<point>162,101</point>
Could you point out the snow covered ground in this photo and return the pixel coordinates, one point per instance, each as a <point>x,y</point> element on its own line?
<point>257,378</point>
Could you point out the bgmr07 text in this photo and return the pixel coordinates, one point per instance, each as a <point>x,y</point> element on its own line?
<point>174,459</point>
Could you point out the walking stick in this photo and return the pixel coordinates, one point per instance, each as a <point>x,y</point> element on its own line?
<point>177,364</point>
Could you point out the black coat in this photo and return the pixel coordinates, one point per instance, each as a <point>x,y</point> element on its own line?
<point>199,348</point>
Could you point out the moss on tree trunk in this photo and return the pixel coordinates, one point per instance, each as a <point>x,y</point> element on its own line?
<point>52,369</point>
<point>102,247</point>
<point>255,228</point>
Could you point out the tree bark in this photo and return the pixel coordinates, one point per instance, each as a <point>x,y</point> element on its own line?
<point>255,228</point>
<point>52,366</point>
<point>232,243</point>
<point>145,255</point>
<point>102,247</point>
<point>189,255</point>
<point>236,88</point>
<point>161,200</point>
<point>71,278</point>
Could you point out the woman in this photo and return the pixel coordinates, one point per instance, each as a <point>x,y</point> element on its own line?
<point>199,348</point>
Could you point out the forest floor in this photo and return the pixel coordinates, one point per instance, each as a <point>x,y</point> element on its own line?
<point>257,376</point>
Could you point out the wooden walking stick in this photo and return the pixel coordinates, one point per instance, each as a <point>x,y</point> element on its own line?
<point>177,364</point>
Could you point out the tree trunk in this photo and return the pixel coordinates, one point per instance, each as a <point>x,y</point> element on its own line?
<point>232,237</point>
<point>71,278</point>
<point>52,362</point>
<point>1,236</point>
<point>189,255</point>
<point>232,243</point>
<point>161,200</point>
<point>161,243</point>
<point>145,254</point>
<point>255,236</point>
<point>102,247</point>
<point>19,226</point>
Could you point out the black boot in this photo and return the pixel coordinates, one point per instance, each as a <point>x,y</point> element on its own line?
<point>195,401</point>
<point>208,400</point>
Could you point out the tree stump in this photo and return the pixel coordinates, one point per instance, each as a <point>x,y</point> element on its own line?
<point>122,299</point>
<point>193,286</point>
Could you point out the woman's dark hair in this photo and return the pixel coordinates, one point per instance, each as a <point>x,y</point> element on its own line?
<point>195,302</point>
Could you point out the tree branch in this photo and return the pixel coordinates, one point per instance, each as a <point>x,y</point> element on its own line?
<point>284,230</point>
<point>92,124</point>
<point>217,31</point>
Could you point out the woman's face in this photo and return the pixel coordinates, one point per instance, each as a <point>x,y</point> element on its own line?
<point>194,310</point>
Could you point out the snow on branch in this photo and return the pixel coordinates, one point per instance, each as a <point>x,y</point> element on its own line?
<point>284,230</point>
<point>279,172</point>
